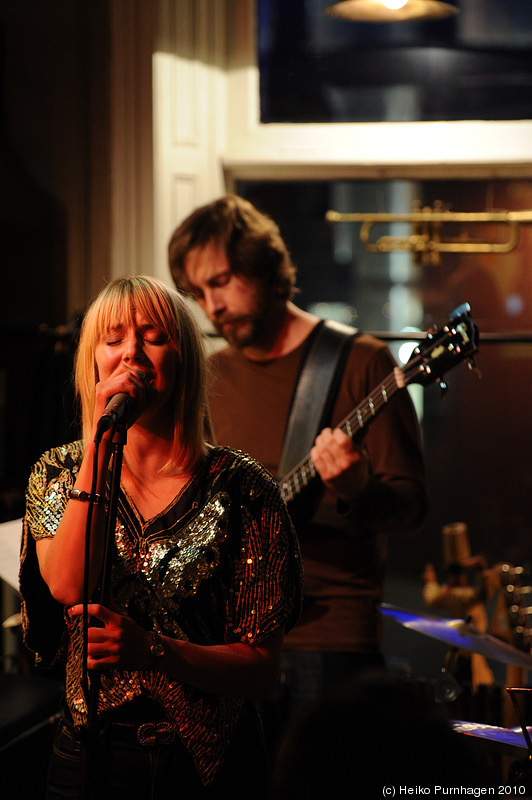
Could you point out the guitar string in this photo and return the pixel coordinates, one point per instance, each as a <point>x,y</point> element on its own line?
<point>364,412</point>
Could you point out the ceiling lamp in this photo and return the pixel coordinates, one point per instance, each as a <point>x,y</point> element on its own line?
<point>390,10</point>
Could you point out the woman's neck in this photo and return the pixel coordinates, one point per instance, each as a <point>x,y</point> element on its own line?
<point>151,485</point>
<point>147,451</point>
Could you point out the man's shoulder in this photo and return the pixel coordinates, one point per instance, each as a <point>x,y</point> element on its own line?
<point>369,343</point>
<point>371,357</point>
<point>355,336</point>
<point>363,345</point>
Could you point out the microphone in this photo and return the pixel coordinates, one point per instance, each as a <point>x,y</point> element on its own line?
<point>117,409</point>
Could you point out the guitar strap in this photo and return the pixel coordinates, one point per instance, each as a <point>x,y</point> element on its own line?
<point>315,391</point>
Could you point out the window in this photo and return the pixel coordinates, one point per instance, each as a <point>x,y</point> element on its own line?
<point>477,437</point>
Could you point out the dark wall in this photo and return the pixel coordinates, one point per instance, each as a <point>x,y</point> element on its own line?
<point>54,193</point>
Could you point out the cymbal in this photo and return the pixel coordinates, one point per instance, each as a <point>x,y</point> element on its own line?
<point>459,633</point>
<point>507,741</point>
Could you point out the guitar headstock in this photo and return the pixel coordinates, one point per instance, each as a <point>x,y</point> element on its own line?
<point>442,349</point>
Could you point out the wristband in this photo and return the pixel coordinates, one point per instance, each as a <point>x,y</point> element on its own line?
<point>85,497</point>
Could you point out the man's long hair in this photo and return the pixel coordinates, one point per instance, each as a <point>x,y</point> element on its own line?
<point>249,238</point>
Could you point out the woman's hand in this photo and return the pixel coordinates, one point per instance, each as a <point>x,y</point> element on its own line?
<point>119,642</point>
<point>132,382</point>
<point>239,670</point>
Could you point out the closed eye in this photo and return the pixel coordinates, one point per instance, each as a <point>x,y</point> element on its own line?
<point>222,279</point>
<point>158,339</point>
<point>194,293</point>
<point>217,281</point>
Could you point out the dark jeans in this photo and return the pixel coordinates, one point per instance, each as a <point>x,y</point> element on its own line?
<point>306,676</point>
<point>116,767</point>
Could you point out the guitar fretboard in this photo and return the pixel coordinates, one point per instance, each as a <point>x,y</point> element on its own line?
<point>295,481</point>
<point>429,361</point>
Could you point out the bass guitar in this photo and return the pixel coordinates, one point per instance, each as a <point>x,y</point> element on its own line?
<point>441,350</point>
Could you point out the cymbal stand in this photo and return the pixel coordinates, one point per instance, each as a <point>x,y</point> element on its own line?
<point>447,687</point>
<point>521,771</point>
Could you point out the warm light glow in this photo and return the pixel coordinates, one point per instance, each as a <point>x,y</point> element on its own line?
<point>393,5</point>
<point>390,10</point>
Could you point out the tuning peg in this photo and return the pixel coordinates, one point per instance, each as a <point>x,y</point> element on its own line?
<point>443,386</point>
<point>471,365</point>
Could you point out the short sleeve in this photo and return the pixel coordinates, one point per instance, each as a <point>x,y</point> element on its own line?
<point>46,498</point>
<point>47,491</point>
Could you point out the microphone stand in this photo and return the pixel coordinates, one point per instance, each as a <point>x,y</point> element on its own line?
<point>103,597</point>
<point>520,772</point>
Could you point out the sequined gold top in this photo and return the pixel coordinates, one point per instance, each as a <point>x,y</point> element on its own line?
<point>219,565</point>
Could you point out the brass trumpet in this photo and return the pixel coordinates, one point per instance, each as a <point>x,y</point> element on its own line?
<point>426,241</point>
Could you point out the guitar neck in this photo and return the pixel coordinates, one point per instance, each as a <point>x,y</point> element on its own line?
<point>429,361</point>
<point>295,481</point>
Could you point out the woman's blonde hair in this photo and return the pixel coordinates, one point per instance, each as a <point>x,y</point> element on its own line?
<point>167,310</point>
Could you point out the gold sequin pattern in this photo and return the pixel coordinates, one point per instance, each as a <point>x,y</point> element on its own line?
<point>47,491</point>
<point>228,572</point>
<point>175,565</point>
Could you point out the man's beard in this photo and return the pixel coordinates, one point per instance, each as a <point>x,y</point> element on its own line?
<point>250,329</point>
<point>245,334</point>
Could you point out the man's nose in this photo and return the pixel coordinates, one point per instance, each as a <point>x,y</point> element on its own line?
<point>213,302</point>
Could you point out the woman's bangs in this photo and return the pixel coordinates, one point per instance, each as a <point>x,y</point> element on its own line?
<point>157,311</point>
<point>117,310</point>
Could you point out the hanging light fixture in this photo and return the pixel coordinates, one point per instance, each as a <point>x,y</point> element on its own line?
<point>390,10</point>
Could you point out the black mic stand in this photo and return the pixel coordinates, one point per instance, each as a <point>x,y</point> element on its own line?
<point>103,597</point>
<point>447,688</point>
<point>520,772</point>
